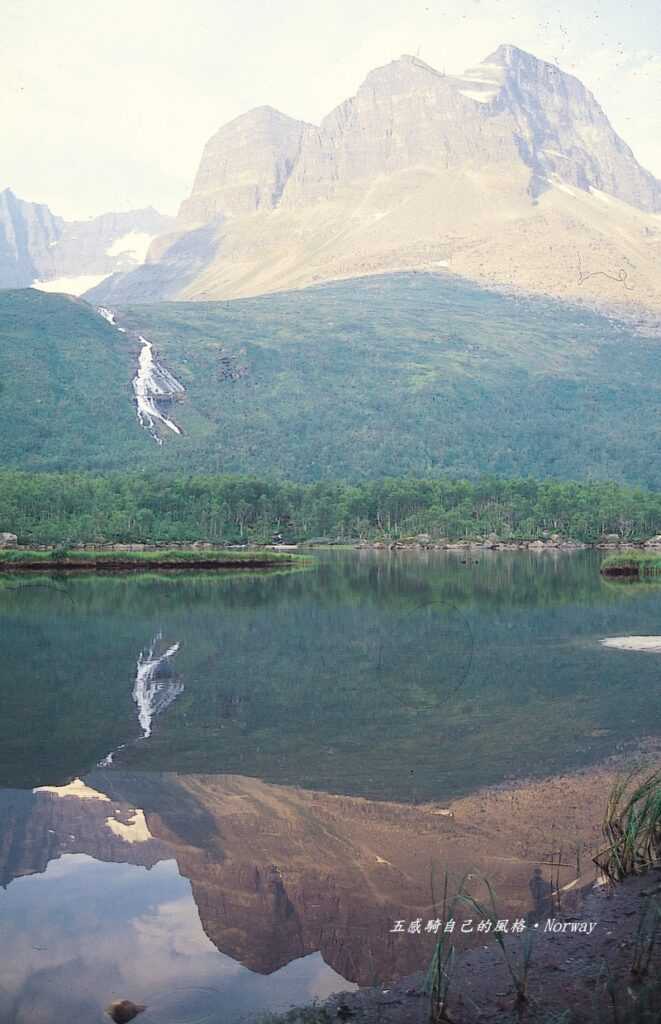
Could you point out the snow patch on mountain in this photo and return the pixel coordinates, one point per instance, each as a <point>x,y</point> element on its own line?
<point>136,830</point>
<point>76,788</point>
<point>481,97</point>
<point>134,244</point>
<point>70,285</point>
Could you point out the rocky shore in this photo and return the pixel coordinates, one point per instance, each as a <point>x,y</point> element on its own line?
<point>555,542</point>
<point>421,542</point>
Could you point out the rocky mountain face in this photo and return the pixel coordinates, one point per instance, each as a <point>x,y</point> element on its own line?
<point>512,108</point>
<point>245,167</point>
<point>510,174</point>
<point>36,245</point>
<point>27,233</point>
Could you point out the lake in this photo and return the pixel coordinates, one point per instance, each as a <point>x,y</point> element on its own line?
<point>220,792</point>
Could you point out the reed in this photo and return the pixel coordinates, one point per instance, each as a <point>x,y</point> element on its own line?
<point>441,967</point>
<point>632,826</point>
<point>647,933</point>
<point>518,969</point>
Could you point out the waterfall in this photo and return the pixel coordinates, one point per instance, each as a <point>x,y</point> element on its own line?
<point>153,384</point>
<point>155,687</point>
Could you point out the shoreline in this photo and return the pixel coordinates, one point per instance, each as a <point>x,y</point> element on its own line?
<point>633,564</point>
<point>116,566</point>
<point>565,960</point>
<point>567,546</point>
<point>141,558</point>
<point>563,975</point>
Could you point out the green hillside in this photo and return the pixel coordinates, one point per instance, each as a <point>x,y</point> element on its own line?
<point>65,386</point>
<point>410,374</point>
<point>387,376</point>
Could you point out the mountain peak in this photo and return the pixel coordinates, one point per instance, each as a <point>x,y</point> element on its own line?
<point>265,113</point>
<point>401,70</point>
<point>7,195</point>
<point>398,175</point>
<point>244,166</point>
<point>510,55</point>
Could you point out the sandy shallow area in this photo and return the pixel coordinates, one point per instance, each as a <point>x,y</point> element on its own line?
<point>634,643</point>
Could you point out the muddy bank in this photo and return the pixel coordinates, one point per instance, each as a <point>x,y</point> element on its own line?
<point>585,933</point>
<point>135,565</point>
<point>574,977</point>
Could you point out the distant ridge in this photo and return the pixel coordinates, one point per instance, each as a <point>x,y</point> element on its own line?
<point>36,245</point>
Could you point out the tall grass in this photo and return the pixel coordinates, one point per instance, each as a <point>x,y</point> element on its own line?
<point>441,968</point>
<point>632,562</point>
<point>632,827</point>
<point>647,933</point>
<point>517,970</point>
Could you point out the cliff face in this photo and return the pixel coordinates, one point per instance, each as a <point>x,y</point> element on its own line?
<point>27,233</point>
<point>512,108</point>
<point>244,168</point>
<point>35,245</point>
<point>562,132</point>
<point>502,175</point>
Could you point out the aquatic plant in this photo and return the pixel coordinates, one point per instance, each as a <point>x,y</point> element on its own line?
<point>441,967</point>
<point>632,563</point>
<point>518,969</point>
<point>647,932</point>
<point>632,826</point>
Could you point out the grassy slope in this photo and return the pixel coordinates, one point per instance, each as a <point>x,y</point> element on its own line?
<point>409,373</point>
<point>400,374</point>
<point>65,387</point>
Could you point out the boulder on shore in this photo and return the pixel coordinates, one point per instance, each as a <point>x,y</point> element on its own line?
<point>8,540</point>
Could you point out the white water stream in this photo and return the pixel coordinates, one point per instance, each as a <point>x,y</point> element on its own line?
<point>152,384</point>
<point>155,687</point>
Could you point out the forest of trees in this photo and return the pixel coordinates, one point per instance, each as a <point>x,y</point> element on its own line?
<point>65,508</point>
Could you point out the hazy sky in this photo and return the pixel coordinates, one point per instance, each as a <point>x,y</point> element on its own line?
<point>106,104</point>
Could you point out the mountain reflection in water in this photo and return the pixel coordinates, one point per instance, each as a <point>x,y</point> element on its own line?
<point>310,753</point>
<point>268,875</point>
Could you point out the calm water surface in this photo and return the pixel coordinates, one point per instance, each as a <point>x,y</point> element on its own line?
<point>217,790</point>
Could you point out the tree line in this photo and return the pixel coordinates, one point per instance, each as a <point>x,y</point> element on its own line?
<point>66,508</point>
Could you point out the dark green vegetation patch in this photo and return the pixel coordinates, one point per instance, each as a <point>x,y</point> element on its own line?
<point>394,375</point>
<point>632,563</point>
<point>66,508</point>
